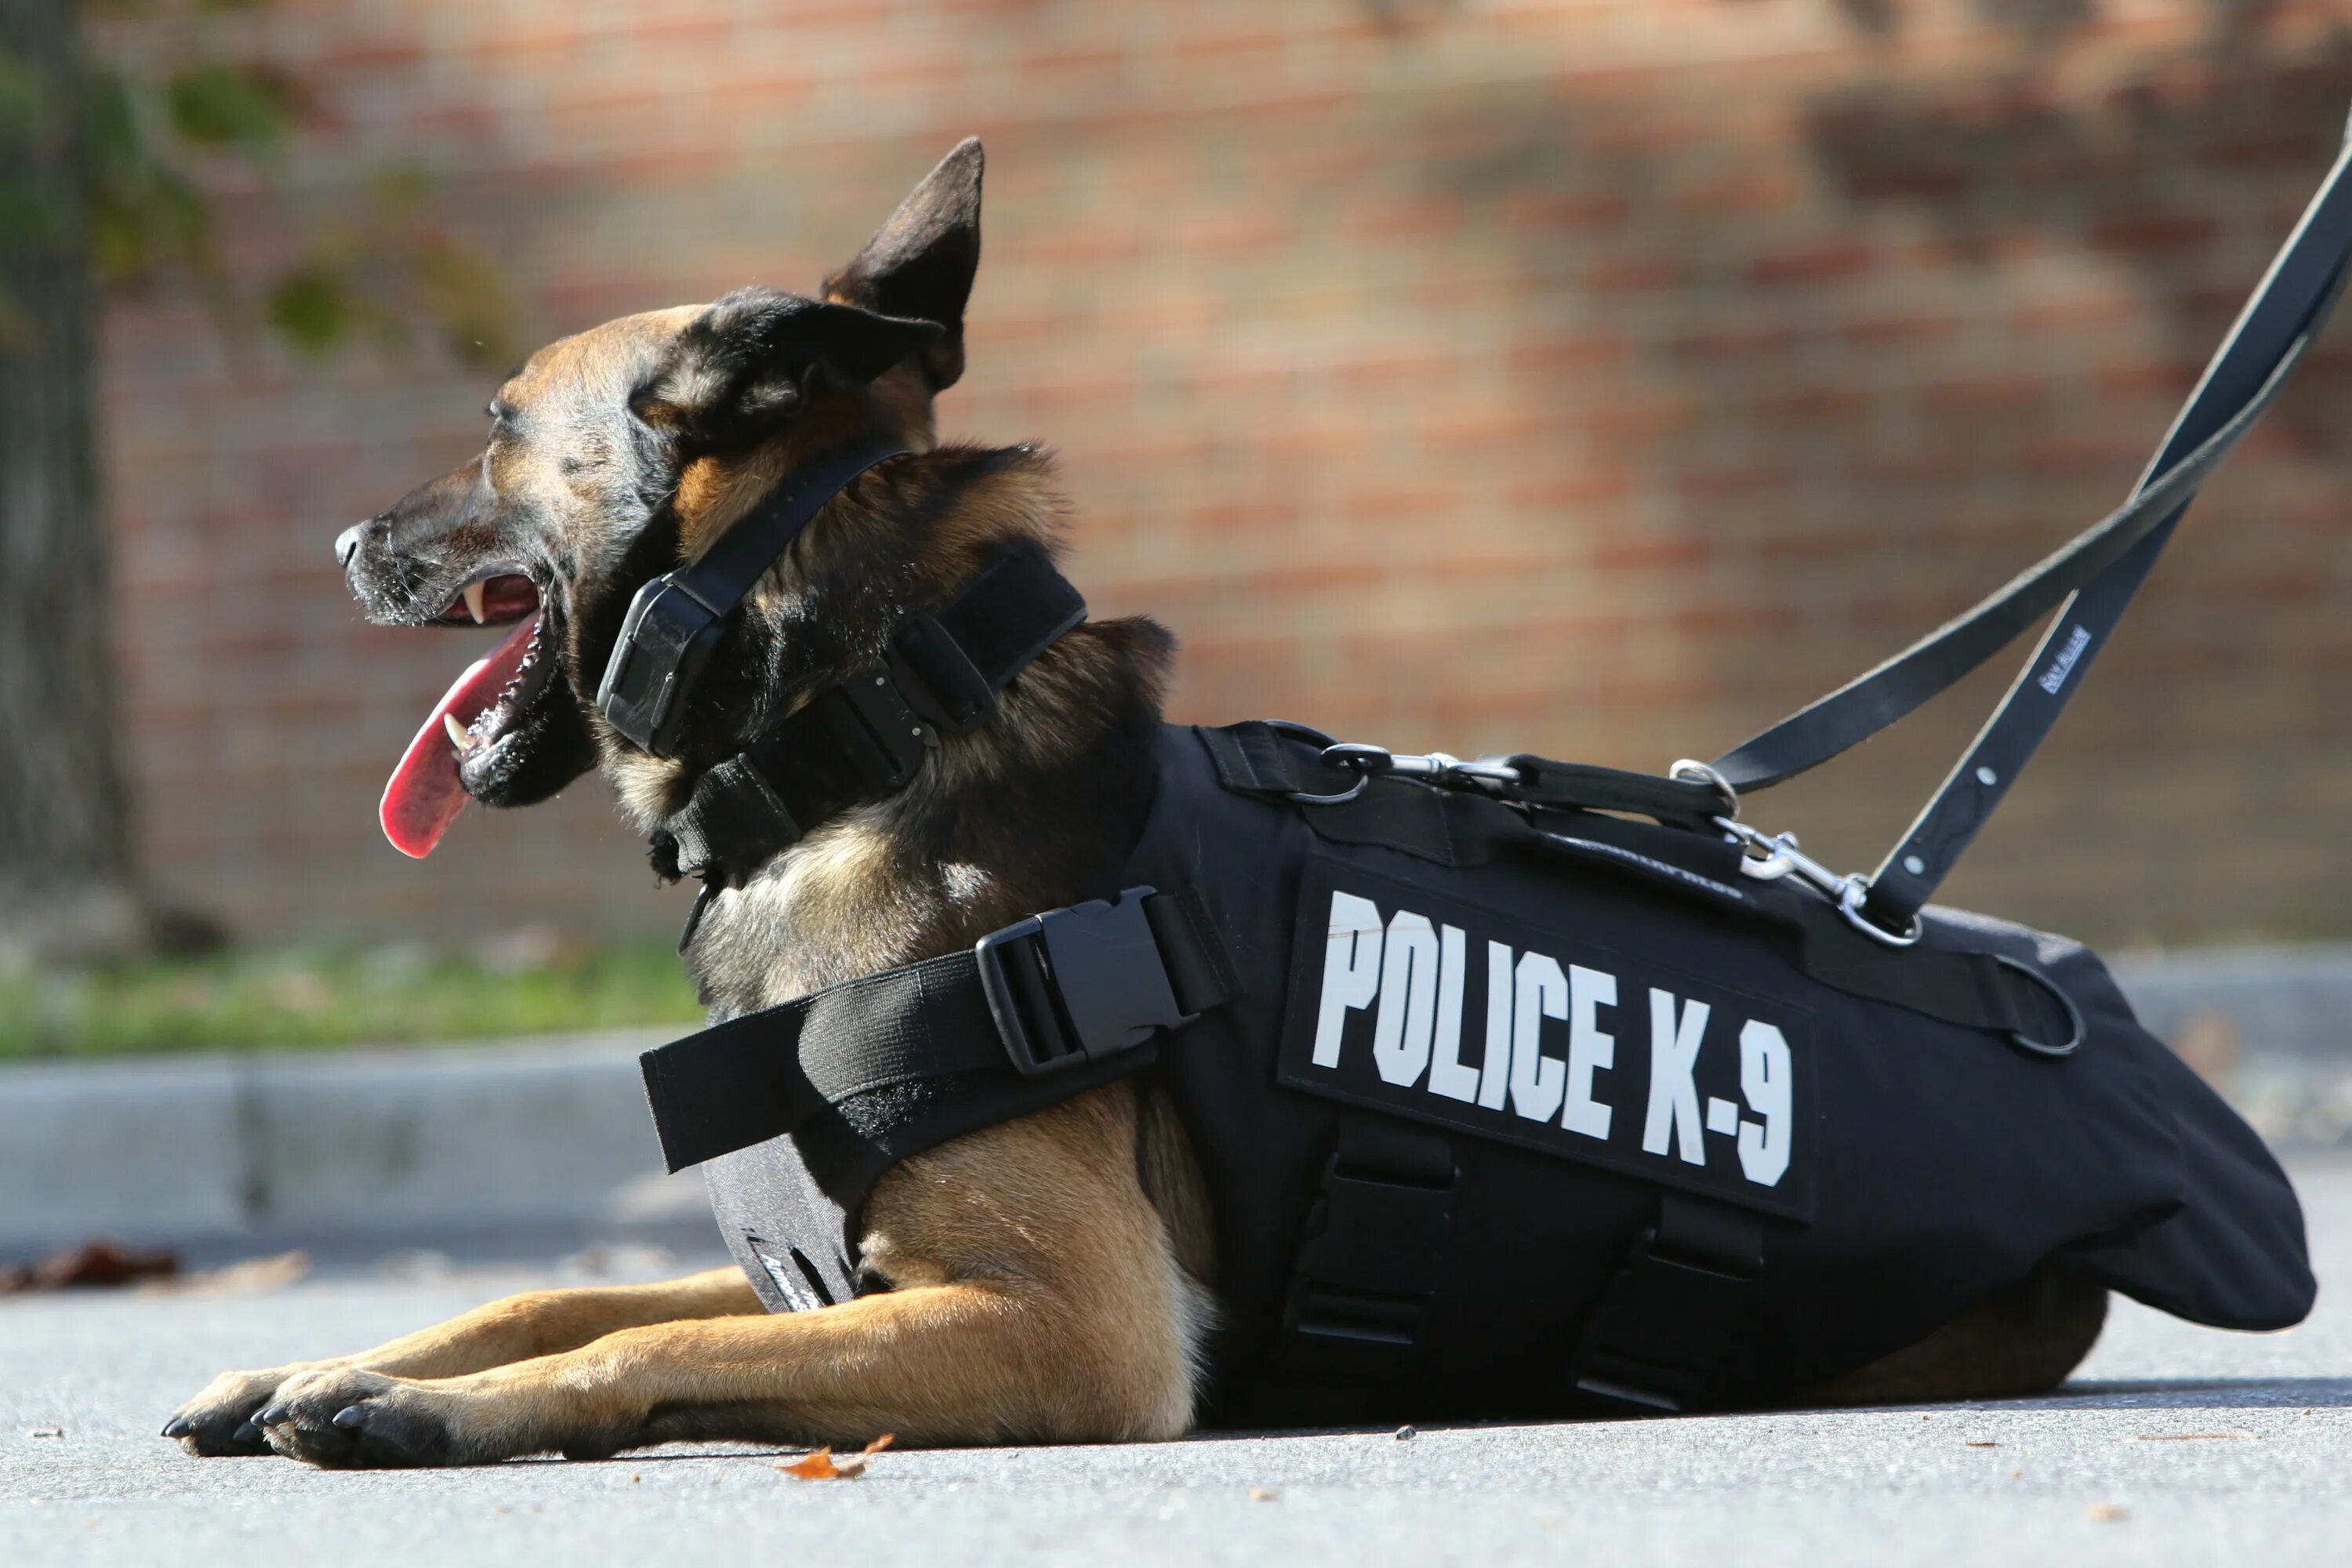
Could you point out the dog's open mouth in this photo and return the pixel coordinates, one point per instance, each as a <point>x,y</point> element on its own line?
<point>464,737</point>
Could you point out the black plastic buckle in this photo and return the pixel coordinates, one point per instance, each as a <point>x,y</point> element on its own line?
<point>1075,986</point>
<point>1358,1306</point>
<point>895,737</point>
<point>937,679</point>
<point>668,636</point>
<point>1657,1336</point>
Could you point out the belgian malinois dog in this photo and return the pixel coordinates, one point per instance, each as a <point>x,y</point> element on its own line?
<point>1049,1280</point>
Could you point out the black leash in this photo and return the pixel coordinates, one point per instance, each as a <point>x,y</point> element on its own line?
<point>2089,582</point>
<point>2095,574</point>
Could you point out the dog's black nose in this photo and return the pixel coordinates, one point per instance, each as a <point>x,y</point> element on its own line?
<point>347,544</point>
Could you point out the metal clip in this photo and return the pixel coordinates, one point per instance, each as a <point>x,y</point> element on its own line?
<point>1771,857</point>
<point>1368,763</point>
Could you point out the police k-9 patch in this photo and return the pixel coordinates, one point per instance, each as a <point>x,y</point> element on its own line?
<point>1410,1002</point>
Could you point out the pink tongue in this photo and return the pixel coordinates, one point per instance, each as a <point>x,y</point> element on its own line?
<point>422,797</point>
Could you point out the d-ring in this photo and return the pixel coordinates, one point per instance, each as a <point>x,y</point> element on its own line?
<point>1303,798</point>
<point>1706,773</point>
<point>2074,1014</point>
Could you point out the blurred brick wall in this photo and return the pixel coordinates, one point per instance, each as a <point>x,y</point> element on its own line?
<point>1600,379</point>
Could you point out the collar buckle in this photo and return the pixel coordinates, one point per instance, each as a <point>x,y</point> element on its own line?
<point>668,636</point>
<point>937,677</point>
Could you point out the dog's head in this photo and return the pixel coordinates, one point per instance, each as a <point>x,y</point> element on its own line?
<point>614,453</point>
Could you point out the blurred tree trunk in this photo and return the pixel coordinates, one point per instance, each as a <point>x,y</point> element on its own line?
<point>66,883</point>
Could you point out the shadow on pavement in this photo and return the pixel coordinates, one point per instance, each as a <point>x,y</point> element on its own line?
<point>2197,1392</point>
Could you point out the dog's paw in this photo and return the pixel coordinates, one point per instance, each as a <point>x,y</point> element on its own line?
<point>347,1419</point>
<point>219,1420</point>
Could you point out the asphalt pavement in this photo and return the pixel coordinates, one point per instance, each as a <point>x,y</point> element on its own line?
<point>2175,1445</point>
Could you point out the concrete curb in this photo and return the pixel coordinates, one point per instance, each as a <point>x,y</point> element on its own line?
<point>234,1150</point>
<point>548,1138</point>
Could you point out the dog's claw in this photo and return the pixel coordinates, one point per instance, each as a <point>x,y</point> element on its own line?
<point>248,1432</point>
<point>178,1426</point>
<point>273,1415</point>
<point>351,1417</point>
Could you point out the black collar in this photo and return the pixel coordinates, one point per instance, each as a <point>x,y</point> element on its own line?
<point>677,621</point>
<point>863,737</point>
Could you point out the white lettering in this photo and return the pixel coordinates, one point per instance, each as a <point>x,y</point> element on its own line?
<point>1401,1035</point>
<point>1351,971</point>
<point>1536,1080</point>
<point>1764,1080</point>
<point>1495,1081</point>
<point>1589,1050</point>
<point>1674,1092</point>
<point>1447,1076</point>
<point>2063,664</point>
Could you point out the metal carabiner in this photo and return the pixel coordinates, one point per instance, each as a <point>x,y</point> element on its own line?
<point>1438,768</point>
<point>1850,904</point>
<point>1769,858</point>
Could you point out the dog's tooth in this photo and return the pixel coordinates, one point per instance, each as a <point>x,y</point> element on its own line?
<point>474,602</point>
<point>457,736</point>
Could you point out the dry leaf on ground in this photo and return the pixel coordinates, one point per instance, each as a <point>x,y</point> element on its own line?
<point>821,1466</point>
<point>93,1263</point>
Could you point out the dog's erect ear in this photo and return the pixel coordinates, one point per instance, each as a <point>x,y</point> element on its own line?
<point>738,370</point>
<point>921,263</point>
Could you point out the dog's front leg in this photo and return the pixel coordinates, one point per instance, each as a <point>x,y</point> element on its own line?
<point>946,1364</point>
<point>226,1416</point>
<point>1038,1300</point>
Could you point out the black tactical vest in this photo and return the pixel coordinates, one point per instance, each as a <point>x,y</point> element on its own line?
<point>1507,1111</point>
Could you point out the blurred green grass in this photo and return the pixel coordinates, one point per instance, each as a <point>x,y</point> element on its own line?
<point>291,998</point>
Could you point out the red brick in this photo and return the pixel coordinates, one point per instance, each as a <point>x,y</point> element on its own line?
<point>1831,261</point>
<point>1614,349</point>
<point>2153,232</point>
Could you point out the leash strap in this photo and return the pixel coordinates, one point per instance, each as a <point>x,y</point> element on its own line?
<point>865,736</point>
<point>2089,582</point>
<point>676,622</point>
<point>1088,986</point>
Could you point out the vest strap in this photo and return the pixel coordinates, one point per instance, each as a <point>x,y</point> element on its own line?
<point>1658,1338</point>
<point>1357,1315</point>
<point>1107,977</point>
<point>866,736</point>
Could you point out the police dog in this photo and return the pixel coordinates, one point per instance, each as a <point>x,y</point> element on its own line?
<point>1048,1279</point>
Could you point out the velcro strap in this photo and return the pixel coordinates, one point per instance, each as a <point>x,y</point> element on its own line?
<point>731,813</point>
<point>763,1075</point>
